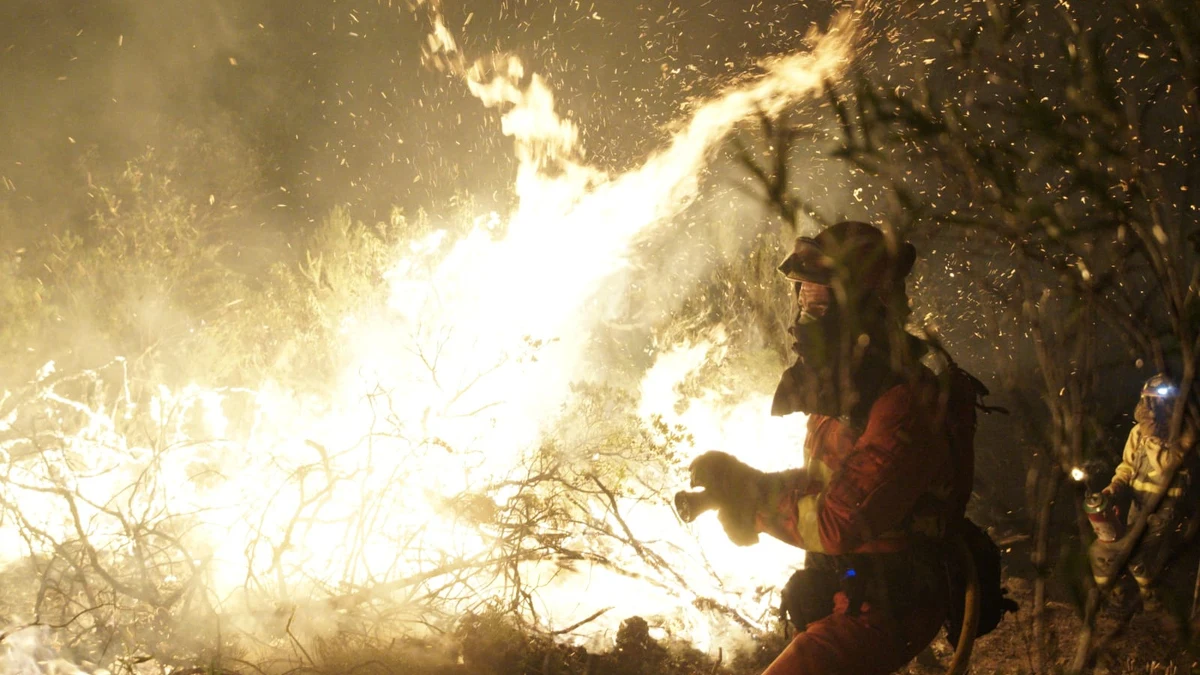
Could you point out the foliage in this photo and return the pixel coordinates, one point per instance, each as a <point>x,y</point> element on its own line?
<point>121,561</point>
<point>1064,197</point>
<point>217,316</point>
<point>492,642</point>
<point>182,284</point>
<point>1054,153</point>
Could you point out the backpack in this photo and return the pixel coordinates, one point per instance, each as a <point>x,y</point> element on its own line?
<point>993,600</point>
<point>964,397</point>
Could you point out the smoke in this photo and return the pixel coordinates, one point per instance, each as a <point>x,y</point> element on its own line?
<point>489,324</point>
<point>29,650</point>
<point>574,225</point>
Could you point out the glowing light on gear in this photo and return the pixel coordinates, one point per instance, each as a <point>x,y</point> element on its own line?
<point>1078,474</point>
<point>1163,391</point>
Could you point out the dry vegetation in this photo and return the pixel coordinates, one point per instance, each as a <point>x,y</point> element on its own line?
<point>1077,231</point>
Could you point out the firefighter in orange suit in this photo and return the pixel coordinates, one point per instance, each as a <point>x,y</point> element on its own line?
<point>888,464</point>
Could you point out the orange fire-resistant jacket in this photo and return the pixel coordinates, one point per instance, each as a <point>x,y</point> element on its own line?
<point>908,472</point>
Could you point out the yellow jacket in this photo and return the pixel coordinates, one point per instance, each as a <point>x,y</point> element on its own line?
<point>1145,460</point>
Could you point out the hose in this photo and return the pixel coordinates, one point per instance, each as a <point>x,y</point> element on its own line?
<point>970,624</point>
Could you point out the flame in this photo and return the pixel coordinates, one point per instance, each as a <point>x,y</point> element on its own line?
<point>741,428</point>
<point>394,478</point>
<point>484,301</point>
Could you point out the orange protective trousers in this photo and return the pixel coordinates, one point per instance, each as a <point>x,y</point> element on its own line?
<point>869,643</point>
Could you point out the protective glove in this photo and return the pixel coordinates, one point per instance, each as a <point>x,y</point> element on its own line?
<point>1120,495</point>
<point>737,489</point>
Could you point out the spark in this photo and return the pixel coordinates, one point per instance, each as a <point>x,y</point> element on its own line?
<point>445,403</point>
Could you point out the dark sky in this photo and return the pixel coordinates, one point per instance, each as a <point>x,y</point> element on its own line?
<point>325,102</point>
<point>315,103</point>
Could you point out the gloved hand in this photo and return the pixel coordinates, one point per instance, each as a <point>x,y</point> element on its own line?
<point>1119,494</point>
<point>721,473</point>
<point>736,488</point>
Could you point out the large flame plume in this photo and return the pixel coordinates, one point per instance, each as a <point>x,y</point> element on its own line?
<point>466,453</point>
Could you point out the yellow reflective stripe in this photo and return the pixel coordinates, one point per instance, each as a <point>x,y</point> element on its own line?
<point>807,526</point>
<point>819,472</point>
<point>1149,486</point>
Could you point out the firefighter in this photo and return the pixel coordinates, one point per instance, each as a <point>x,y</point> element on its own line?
<point>1139,478</point>
<point>887,464</point>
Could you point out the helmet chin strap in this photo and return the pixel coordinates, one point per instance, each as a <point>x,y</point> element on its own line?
<point>818,382</point>
<point>821,381</point>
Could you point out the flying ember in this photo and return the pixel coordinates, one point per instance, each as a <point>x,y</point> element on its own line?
<point>464,455</point>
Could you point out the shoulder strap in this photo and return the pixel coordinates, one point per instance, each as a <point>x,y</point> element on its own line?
<point>963,383</point>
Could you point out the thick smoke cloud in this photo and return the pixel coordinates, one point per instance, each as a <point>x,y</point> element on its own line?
<point>329,103</point>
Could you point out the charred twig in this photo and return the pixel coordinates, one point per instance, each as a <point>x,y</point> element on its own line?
<point>590,618</point>
<point>54,626</point>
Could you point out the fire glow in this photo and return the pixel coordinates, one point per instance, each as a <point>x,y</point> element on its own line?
<point>417,481</point>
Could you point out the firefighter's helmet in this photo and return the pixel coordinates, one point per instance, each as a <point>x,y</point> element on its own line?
<point>855,254</point>
<point>1160,386</point>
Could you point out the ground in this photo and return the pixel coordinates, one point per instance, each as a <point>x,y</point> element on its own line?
<point>489,644</point>
<point>1150,644</point>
